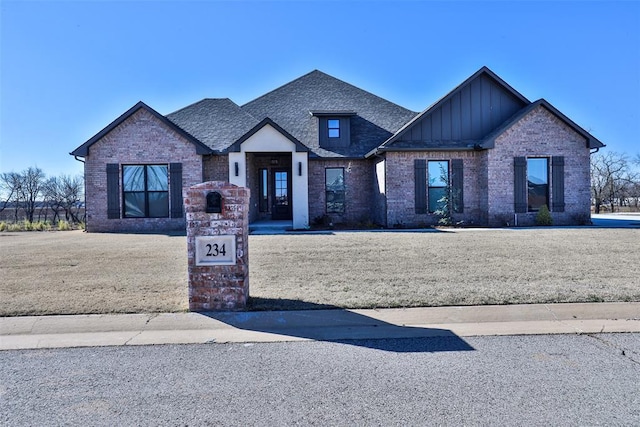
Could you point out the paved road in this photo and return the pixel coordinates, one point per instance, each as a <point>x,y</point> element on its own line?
<point>532,380</point>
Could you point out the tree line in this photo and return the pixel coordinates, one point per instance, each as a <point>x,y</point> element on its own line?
<point>615,183</point>
<point>30,194</point>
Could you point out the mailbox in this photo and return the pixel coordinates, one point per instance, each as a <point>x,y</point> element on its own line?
<point>214,202</point>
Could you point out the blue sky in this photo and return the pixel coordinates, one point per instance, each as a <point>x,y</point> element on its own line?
<point>69,68</point>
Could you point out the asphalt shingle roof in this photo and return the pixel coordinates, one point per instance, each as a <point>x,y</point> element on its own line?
<point>217,123</point>
<point>290,106</point>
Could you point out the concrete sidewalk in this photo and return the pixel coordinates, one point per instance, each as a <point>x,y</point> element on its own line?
<point>326,325</point>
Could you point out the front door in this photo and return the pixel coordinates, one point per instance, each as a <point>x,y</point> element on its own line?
<point>281,196</point>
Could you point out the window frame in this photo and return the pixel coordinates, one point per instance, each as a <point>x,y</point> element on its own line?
<point>263,204</point>
<point>333,128</point>
<point>547,185</point>
<point>146,192</point>
<point>440,187</point>
<point>341,191</point>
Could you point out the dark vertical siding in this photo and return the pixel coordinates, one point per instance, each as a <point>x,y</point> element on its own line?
<point>468,115</point>
<point>420,171</point>
<point>520,184</point>
<point>456,117</point>
<point>446,121</point>
<point>557,183</point>
<point>175,190</point>
<point>113,191</point>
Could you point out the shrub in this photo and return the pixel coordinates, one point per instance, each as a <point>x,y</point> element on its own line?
<point>3,226</point>
<point>63,226</point>
<point>544,216</point>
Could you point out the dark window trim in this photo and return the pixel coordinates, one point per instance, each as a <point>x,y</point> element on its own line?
<point>335,128</point>
<point>429,186</point>
<point>326,191</point>
<point>263,179</point>
<point>548,184</point>
<point>145,191</point>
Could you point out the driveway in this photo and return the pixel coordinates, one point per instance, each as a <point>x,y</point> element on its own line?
<point>616,220</point>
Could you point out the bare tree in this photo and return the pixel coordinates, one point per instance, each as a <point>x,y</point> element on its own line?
<point>11,186</point>
<point>32,181</point>
<point>71,196</point>
<point>611,179</point>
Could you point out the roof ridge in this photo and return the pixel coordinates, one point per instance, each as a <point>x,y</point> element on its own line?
<point>200,101</point>
<point>282,85</point>
<point>316,71</point>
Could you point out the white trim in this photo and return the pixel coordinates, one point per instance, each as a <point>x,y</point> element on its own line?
<point>270,140</point>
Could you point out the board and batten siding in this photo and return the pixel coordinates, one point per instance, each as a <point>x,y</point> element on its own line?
<point>467,115</point>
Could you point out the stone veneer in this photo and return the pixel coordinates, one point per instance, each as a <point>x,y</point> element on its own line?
<point>219,287</point>
<point>140,139</point>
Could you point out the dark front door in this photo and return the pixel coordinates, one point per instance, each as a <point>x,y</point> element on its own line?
<point>281,196</point>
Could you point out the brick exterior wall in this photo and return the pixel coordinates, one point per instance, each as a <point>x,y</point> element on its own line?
<point>400,188</point>
<point>140,139</point>
<point>538,134</point>
<point>216,168</point>
<point>218,287</point>
<point>359,183</point>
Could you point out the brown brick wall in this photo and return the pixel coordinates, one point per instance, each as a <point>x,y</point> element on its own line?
<point>216,168</point>
<point>400,189</point>
<point>141,139</point>
<point>218,287</point>
<point>538,134</point>
<point>358,178</point>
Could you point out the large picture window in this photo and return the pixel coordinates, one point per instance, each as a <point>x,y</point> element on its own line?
<point>146,191</point>
<point>537,183</point>
<point>334,190</point>
<point>438,176</point>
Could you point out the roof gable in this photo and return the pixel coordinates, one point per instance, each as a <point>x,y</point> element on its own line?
<point>463,117</point>
<point>489,140</point>
<point>267,121</point>
<point>83,150</point>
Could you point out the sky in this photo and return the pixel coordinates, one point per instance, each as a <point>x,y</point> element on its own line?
<point>69,68</point>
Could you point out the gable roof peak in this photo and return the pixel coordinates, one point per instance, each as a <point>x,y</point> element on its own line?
<point>83,150</point>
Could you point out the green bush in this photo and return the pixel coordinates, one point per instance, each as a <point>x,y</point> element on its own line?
<point>544,216</point>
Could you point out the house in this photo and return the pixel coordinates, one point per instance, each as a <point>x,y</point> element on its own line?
<point>320,148</point>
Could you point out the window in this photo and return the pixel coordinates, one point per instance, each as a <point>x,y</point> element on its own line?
<point>334,190</point>
<point>438,176</point>
<point>146,191</point>
<point>264,191</point>
<point>537,183</point>
<point>333,126</point>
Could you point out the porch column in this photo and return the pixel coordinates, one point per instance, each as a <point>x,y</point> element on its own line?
<point>300,189</point>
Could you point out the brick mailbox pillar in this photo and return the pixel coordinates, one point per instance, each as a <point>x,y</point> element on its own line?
<point>217,246</point>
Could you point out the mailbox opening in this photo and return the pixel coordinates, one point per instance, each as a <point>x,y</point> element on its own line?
<point>214,202</point>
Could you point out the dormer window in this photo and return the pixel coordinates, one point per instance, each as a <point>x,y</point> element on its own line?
<point>333,128</point>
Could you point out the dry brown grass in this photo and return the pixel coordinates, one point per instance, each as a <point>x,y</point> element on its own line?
<point>75,272</point>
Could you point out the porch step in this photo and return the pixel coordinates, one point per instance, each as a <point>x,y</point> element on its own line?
<point>270,227</point>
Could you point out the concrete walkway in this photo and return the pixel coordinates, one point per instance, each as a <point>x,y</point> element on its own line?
<point>325,325</point>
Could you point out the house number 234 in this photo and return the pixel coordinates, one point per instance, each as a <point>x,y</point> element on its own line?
<point>216,250</point>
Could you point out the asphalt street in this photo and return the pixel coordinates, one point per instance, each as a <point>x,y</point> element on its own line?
<point>515,380</point>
